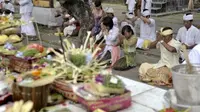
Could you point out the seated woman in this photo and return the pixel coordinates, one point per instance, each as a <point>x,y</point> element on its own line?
<point>110,34</point>
<point>160,73</point>
<point>8,7</point>
<point>71,26</point>
<point>98,14</point>
<point>129,49</point>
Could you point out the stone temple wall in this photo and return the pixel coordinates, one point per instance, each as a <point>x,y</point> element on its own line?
<point>160,6</point>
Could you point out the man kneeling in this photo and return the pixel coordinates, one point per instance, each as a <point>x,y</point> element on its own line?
<point>169,47</point>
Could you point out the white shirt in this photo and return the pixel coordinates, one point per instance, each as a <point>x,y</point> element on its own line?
<point>111,38</point>
<point>131,5</point>
<point>26,6</point>
<point>9,6</point>
<point>147,6</point>
<point>148,31</point>
<point>168,58</point>
<point>194,55</point>
<point>115,21</point>
<point>189,37</point>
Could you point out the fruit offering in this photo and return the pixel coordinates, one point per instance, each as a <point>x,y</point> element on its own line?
<point>3,39</point>
<point>109,84</point>
<point>21,106</point>
<point>32,51</point>
<point>173,110</point>
<point>14,38</point>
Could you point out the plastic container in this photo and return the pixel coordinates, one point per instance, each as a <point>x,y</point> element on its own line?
<point>187,86</point>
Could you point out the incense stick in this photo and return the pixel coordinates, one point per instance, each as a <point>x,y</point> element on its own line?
<point>189,66</point>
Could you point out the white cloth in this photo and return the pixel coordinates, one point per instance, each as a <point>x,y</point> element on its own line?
<point>69,29</point>
<point>168,58</point>
<point>9,6</point>
<point>28,29</point>
<point>147,6</point>
<point>109,10</point>
<point>115,21</point>
<point>139,43</point>
<point>194,55</point>
<point>131,5</point>
<point>189,37</point>
<point>146,13</point>
<point>148,31</point>
<point>98,36</point>
<point>187,17</point>
<point>46,16</point>
<point>26,6</point>
<point>111,40</point>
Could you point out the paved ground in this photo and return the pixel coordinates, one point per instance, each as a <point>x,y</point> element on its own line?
<point>152,56</point>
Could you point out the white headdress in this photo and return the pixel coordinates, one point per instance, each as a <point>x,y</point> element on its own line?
<point>187,17</point>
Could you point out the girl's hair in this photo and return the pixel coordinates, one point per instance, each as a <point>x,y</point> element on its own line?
<point>97,3</point>
<point>189,13</point>
<point>127,28</point>
<point>112,14</point>
<point>107,21</point>
<point>145,10</point>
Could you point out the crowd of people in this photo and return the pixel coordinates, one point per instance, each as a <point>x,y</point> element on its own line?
<point>119,40</point>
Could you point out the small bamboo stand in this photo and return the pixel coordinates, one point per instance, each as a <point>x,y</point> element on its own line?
<point>38,95</point>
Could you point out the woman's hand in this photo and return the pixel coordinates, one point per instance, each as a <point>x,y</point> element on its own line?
<point>103,28</point>
<point>159,37</point>
<point>106,32</point>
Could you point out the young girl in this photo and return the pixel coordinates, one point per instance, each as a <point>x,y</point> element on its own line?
<point>110,34</point>
<point>129,49</point>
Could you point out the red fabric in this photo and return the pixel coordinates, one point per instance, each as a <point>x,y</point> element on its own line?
<point>115,54</point>
<point>1,6</point>
<point>78,26</point>
<point>5,98</point>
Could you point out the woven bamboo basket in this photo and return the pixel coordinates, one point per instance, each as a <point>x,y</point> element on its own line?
<point>20,64</point>
<point>5,59</point>
<point>65,89</point>
<point>39,95</point>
